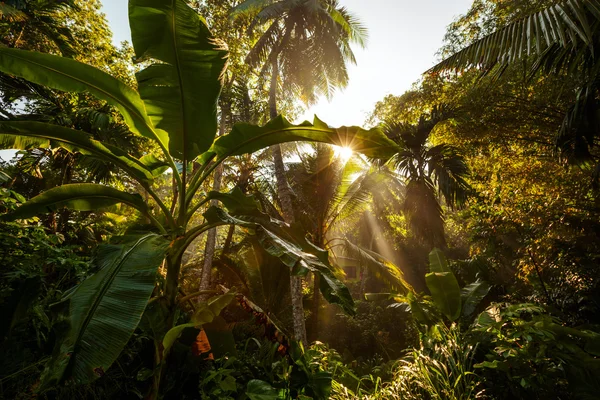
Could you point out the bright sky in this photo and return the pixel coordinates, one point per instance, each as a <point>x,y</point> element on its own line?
<point>404,36</point>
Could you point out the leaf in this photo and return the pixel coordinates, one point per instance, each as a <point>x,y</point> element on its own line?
<point>220,336</point>
<point>77,196</point>
<point>104,310</point>
<point>378,296</point>
<point>282,241</point>
<point>4,177</point>
<point>419,312</point>
<point>72,76</point>
<point>438,261</point>
<point>261,390</point>
<point>472,295</point>
<point>237,202</point>
<point>205,314</point>
<point>499,365</point>
<point>246,138</point>
<point>180,92</point>
<point>547,32</point>
<point>13,133</point>
<point>445,293</point>
<point>380,267</point>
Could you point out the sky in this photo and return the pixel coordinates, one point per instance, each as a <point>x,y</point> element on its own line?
<point>404,36</point>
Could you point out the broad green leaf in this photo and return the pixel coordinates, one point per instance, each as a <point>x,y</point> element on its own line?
<point>72,76</point>
<point>153,164</point>
<point>419,312</point>
<point>205,314</point>
<point>472,295</point>
<point>438,261</point>
<point>237,202</point>
<point>104,310</point>
<point>261,390</point>
<point>15,135</point>
<point>445,293</point>
<point>181,91</point>
<point>77,196</point>
<point>284,242</point>
<point>246,138</point>
<point>220,337</point>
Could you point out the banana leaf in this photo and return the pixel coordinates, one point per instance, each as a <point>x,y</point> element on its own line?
<point>100,315</point>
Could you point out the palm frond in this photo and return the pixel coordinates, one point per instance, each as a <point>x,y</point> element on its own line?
<point>561,31</point>
<point>378,266</point>
<point>249,8</point>
<point>357,195</point>
<point>449,170</point>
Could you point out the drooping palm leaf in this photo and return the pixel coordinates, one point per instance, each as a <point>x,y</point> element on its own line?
<point>570,26</point>
<point>378,266</point>
<point>181,91</point>
<point>104,310</point>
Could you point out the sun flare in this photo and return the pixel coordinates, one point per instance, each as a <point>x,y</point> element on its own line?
<point>343,153</point>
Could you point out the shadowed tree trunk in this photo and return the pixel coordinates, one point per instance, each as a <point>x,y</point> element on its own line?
<point>284,193</point>
<point>211,238</point>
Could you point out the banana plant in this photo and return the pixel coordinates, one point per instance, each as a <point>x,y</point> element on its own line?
<point>175,107</point>
<point>447,299</point>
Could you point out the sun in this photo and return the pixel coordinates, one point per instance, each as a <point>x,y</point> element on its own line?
<point>343,153</point>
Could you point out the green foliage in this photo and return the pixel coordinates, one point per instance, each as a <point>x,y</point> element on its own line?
<point>441,368</point>
<point>533,355</point>
<point>180,89</point>
<point>103,311</point>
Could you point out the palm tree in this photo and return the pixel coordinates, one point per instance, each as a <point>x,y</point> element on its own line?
<point>431,173</point>
<point>329,191</point>
<point>36,25</point>
<point>562,38</point>
<point>307,43</point>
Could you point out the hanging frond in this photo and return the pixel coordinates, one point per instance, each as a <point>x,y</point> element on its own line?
<point>558,35</point>
<point>378,266</point>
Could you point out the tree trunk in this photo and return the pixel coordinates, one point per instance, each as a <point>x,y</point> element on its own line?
<point>211,241</point>
<point>211,238</point>
<point>316,303</point>
<point>284,193</point>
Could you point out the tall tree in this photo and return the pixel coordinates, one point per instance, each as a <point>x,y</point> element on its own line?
<point>330,190</point>
<point>307,44</point>
<point>428,170</point>
<point>562,38</point>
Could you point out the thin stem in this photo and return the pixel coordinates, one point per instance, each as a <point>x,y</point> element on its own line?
<point>162,206</point>
<point>199,293</point>
<point>170,161</point>
<point>197,179</point>
<point>194,233</point>
<point>156,223</point>
<point>182,192</point>
<point>196,207</point>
